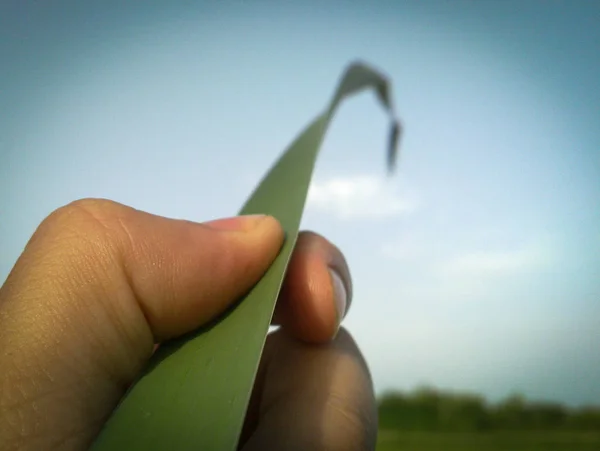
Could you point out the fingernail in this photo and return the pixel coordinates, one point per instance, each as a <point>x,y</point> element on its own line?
<point>340,297</point>
<point>236,223</point>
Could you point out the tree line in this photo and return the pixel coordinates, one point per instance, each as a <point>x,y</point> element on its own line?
<point>428,409</point>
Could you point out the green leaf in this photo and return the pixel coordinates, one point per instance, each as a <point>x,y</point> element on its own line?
<point>196,390</point>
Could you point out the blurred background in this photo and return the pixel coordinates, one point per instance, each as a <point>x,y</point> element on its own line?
<point>476,268</point>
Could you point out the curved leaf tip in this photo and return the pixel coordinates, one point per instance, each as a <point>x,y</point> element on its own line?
<point>359,75</point>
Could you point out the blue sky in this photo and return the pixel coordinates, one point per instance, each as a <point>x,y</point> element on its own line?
<point>476,268</point>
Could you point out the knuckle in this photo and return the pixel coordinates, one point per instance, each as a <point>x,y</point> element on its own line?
<point>82,212</point>
<point>91,221</point>
<point>355,423</point>
<point>83,237</point>
<point>353,403</point>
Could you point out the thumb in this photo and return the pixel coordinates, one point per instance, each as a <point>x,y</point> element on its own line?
<point>97,285</point>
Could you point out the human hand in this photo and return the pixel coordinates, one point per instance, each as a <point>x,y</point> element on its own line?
<point>99,284</point>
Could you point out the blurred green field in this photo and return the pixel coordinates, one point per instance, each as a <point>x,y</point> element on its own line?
<point>493,441</point>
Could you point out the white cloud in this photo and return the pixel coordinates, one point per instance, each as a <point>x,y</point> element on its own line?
<point>358,197</point>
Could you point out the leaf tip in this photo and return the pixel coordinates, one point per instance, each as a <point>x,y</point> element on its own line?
<point>393,146</point>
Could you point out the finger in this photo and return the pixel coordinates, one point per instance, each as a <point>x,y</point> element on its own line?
<point>97,285</point>
<point>311,397</point>
<point>316,292</point>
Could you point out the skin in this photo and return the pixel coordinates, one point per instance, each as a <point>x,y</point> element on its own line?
<point>99,285</point>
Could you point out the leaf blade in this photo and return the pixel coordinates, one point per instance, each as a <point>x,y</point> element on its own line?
<point>196,390</point>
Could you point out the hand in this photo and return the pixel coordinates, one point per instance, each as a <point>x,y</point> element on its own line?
<point>99,284</point>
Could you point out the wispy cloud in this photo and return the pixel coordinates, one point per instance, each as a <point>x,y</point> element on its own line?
<point>461,273</point>
<point>408,248</point>
<point>490,263</point>
<point>486,252</point>
<point>359,197</point>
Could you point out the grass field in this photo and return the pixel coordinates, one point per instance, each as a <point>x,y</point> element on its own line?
<point>496,441</point>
